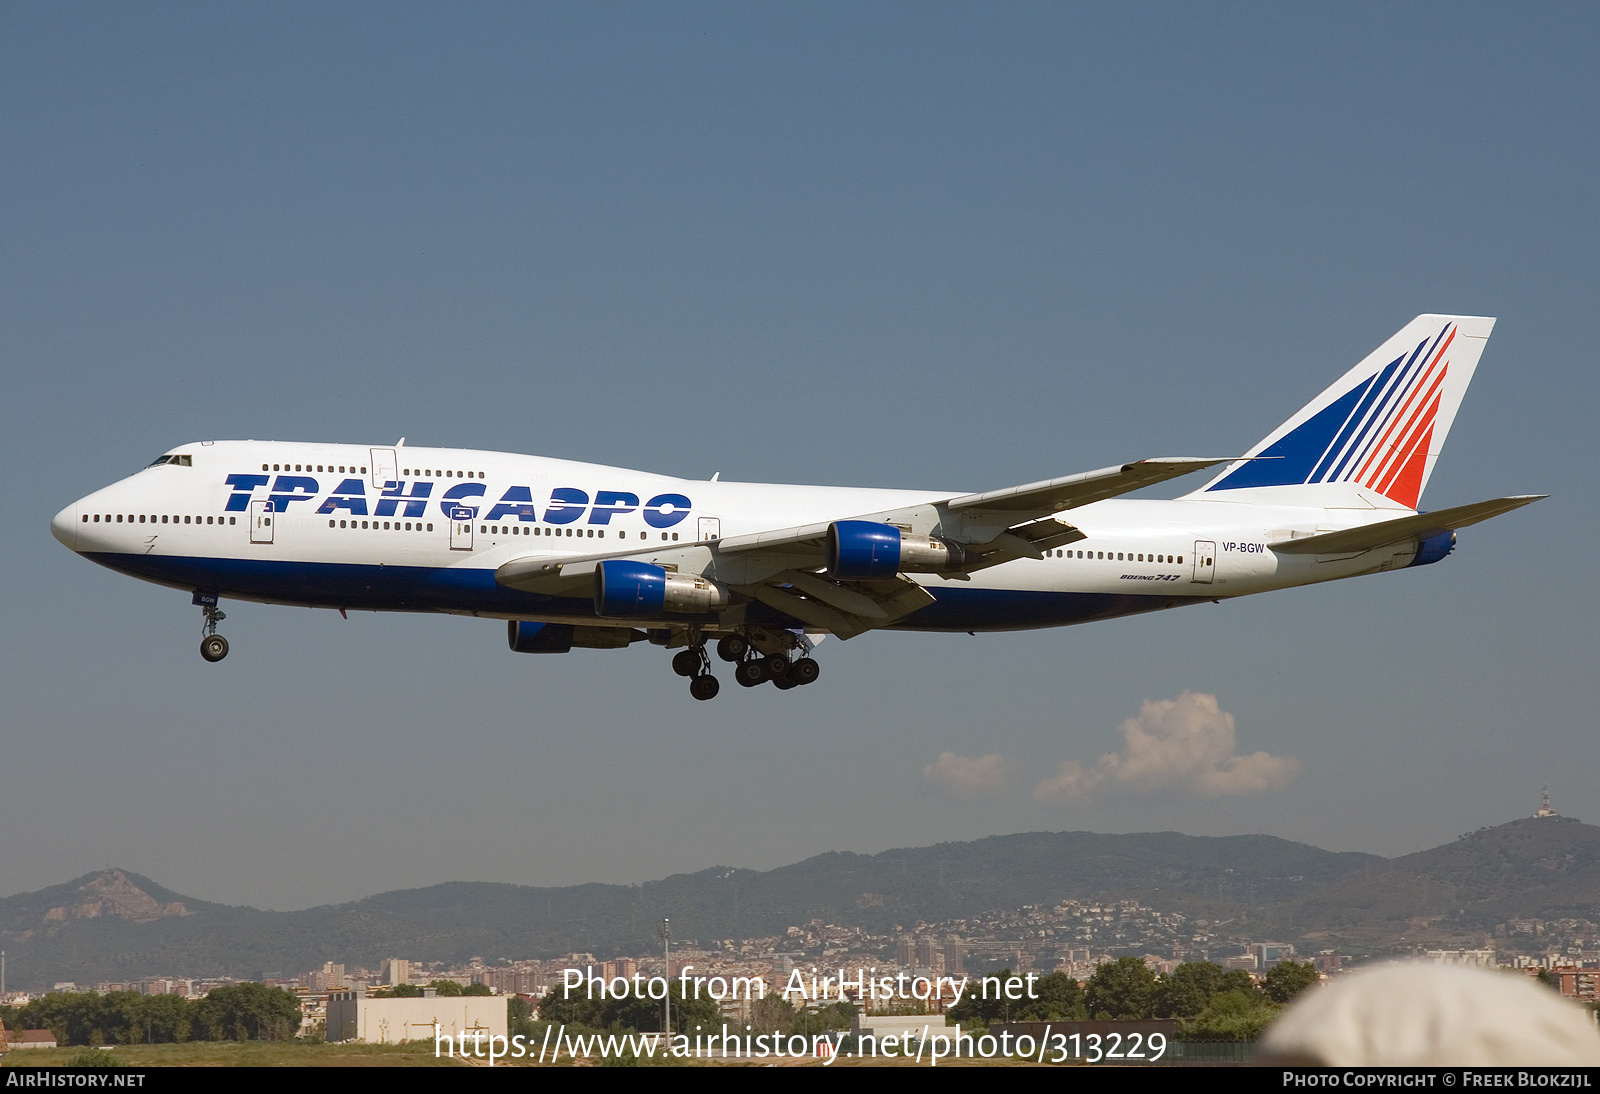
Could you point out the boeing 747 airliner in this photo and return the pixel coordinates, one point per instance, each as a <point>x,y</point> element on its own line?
<point>765,570</point>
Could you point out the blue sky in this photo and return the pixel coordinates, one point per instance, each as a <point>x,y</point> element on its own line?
<point>942,246</point>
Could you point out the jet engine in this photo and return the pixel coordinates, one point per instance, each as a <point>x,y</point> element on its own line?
<point>862,550</point>
<point>640,590</point>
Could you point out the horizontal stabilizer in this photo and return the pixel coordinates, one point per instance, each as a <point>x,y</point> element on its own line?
<point>1421,526</point>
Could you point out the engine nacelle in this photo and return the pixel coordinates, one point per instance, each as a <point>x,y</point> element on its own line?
<point>637,590</point>
<point>860,550</point>
<point>527,637</point>
<point>1434,548</point>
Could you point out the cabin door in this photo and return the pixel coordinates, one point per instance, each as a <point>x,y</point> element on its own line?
<point>461,528</point>
<point>261,522</point>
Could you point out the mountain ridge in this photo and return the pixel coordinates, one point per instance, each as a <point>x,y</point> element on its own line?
<point>118,925</point>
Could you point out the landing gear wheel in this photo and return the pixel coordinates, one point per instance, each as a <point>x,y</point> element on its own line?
<point>733,647</point>
<point>751,673</point>
<point>784,683</point>
<point>686,662</point>
<point>704,687</point>
<point>213,647</point>
<point>804,671</point>
<point>777,665</point>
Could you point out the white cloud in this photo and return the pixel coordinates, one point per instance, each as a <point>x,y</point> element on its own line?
<point>968,776</point>
<point>1184,744</point>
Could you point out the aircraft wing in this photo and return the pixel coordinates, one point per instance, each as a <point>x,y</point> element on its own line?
<point>1071,491</point>
<point>1019,504</point>
<point>784,567</point>
<point>1421,526</point>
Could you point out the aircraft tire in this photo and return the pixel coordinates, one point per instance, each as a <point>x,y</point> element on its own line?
<point>686,663</point>
<point>805,671</point>
<point>751,673</point>
<point>784,683</point>
<point>732,647</point>
<point>213,647</point>
<point>704,687</point>
<point>777,665</point>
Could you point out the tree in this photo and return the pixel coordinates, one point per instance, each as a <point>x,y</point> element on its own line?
<point>1059,997</point>
<point>1121,989</point>
<point>989,1001</point>
<point>477,989</point>
<point>445,987</point>
<point>247,1012</point>
<point>1287,979</point>
<point>1191,986</point>
<point>1232,1016</point>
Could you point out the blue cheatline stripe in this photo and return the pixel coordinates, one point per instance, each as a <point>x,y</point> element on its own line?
<point>469,589</point>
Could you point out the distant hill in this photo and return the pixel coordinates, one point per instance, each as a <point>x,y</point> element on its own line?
<point>115,925</point>
<point>1539,867</point>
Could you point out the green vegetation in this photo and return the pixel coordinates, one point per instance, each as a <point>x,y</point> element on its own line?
<point>237,1054</point>
<point>1287,979</point>
<point>629,1013</point>
<point>1210,1002</point>
<point>238,1012</point>
<point>1122,989</point>
<point>1192,985</point>
<point>1058,996</point>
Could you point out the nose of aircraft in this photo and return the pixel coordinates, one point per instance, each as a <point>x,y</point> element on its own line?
<point>65,526</point>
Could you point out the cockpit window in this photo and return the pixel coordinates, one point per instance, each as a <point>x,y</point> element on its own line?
<point>176,461</point>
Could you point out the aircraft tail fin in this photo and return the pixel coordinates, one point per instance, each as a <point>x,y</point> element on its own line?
<point>1372,438</point>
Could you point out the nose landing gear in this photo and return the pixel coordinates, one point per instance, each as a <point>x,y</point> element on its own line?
<point>213,647</point>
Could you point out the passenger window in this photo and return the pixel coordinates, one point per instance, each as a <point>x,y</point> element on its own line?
<point>233,520</point>
<point>430,527</point>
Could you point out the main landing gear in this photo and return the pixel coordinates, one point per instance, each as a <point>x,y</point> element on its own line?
<point>213,647</point>
<point>753,666</point>
<point>694,663</point>
<point>776,667</point>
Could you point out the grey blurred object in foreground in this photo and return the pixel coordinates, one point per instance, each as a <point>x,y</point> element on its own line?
<point>1410,1015</point>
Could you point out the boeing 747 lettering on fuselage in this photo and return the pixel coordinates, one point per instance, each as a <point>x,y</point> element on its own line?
<point>580,555</point>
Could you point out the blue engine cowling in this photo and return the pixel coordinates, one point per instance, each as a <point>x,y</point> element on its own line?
<point>526,637</point>
<point>1434,548</point>
<point>860,550</point>
<point>629,589</point>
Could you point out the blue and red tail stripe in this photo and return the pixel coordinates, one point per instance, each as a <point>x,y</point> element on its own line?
<point>1377,434</point>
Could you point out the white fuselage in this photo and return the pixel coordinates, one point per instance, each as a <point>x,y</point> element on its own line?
<point>424,529</point>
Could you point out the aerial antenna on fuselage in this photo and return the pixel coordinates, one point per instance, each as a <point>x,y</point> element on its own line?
<point>401,443</point>
<point>717,476</point>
